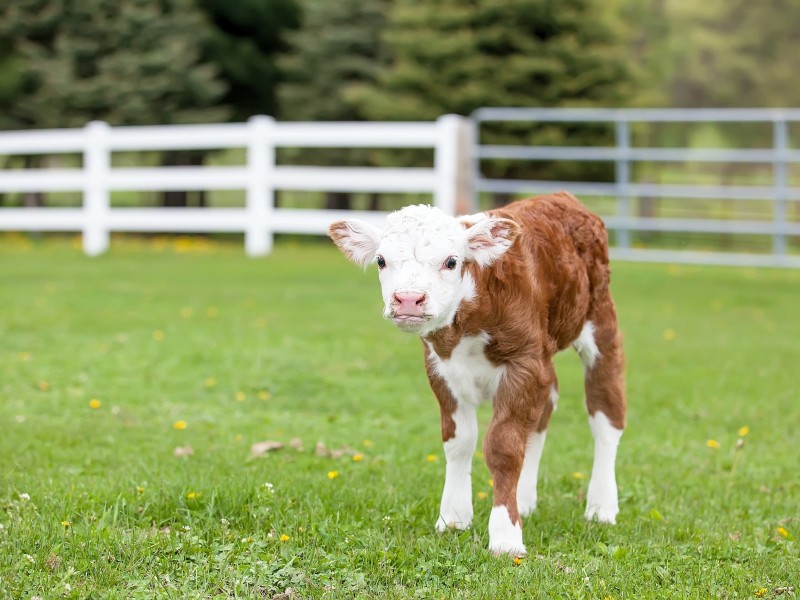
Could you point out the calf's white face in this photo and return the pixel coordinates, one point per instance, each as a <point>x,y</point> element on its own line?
<point>421,256</point>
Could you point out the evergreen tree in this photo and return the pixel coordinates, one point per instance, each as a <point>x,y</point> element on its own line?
<point>122,61</point>
<point>337,48</point>
<point>458,55</point>
<point>246,38</point>
<point>454,56</point>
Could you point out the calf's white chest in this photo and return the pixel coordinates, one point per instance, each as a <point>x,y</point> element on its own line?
<point>471,377</point>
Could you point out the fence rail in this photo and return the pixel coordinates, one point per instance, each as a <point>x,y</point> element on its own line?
<point>260,177</point>
<point>458,156</point>
<point>624,189</point>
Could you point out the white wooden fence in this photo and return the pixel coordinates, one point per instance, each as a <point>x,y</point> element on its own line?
<point>259,220</point>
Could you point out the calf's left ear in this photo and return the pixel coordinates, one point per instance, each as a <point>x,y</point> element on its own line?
<point>488,239</point>
<point>356,239</point>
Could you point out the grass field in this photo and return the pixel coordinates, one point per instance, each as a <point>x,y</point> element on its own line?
<point>110,366</point>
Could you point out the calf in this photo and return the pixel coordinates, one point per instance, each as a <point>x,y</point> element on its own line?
<point>494,296</point>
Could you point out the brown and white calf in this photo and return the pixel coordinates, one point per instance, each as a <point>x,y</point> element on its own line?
<point>494,296</point>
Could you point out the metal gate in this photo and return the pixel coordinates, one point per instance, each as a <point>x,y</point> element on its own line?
<point>729,215</point>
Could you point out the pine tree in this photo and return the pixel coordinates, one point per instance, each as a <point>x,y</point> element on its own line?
<point>454,56</point>
<point>337,48</point>
<point>247,36</point>
<point>458,55</point>
<point>123,61</point>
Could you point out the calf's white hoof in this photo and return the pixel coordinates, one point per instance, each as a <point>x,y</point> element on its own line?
<point>505,537</point>
<point>459,522</point>
<point>604,513</point>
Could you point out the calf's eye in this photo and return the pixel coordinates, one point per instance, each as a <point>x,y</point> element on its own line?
<point>451,263</point>
<point>381,262</point>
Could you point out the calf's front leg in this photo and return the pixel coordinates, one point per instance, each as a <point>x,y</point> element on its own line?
<point>459,437</point>
<point>519,407</point>
<point>504,448</point>
<point>455,510</point>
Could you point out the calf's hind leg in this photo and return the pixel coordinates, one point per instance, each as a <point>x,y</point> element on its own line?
<point>600,349</point>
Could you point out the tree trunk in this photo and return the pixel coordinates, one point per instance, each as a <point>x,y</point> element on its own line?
<point>337,200</point>
<point>374,201</point>
<point>33,199</point>
<point>500,199</point>
<point>183,158</point>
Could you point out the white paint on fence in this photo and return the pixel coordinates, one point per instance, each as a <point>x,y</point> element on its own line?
<point>260,177</point>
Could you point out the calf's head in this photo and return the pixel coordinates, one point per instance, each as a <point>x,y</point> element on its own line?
<point>421,257</point>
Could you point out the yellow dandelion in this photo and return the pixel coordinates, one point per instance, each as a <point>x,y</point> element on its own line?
<point>482,495</point>
<point>432,458</point>
<point>578,475</point>
<point>358,457</point>
<point>95,403</point>
<point>783,532</point>
<point>186,312</point>
<point>140,489</point>
<point>210,382</point>
<point>490,482</point>
<point>743,431</point>
<point>712,444</point>
<point>179,425</point>
<point>240,396</point>
<point>264,395</point>
<point>212,312</point>
<point>158,335</point>
<point>44,386</point>
<point>66,523</point>
<point>368,443</point>
<point>194,495</point>
<point>333,474</point>
<point>669,334</point>
<point>761,592</point>
<point>284,537</point>
<point>517,560</point>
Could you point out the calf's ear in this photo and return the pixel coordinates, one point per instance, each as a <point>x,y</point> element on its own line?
<point>356,239</point>
<point>488,239</point>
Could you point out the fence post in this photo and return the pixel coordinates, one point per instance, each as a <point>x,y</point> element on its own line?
<point>781,182</point>
<point>447,163</point>
<point>96,203</point>
<point>623,177</point>
<point>258,235</point>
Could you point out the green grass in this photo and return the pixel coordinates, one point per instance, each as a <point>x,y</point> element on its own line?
<point>297,349</point>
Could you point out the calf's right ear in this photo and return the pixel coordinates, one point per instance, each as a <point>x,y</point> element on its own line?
<point>356,239</point>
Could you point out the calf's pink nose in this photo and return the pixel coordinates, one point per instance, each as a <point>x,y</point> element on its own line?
<point>409,303</point>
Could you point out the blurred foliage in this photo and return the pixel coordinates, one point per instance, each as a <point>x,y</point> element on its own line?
<point>458,55</point>
<point>454,56</point>
<point>246,38</point>
<point>64,62</point>
<point>123,61</point>
<point>337,48</point>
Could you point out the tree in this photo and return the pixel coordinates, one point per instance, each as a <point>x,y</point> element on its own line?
<point>454,56</point>
<point>245,41</point>
<point>338,47</point>
<point>459,55</point>
<point>127,62</point>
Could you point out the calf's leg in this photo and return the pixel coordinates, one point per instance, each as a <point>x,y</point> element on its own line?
<point>504,448</point>
<point>605,401</point>
<point>527,496</point>
<point>455,510</point>
<point>459,437</point>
